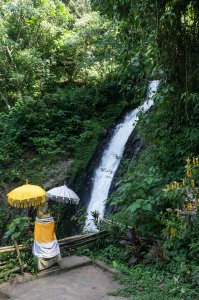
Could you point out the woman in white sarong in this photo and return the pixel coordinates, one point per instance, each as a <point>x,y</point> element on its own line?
<point>46,248</point>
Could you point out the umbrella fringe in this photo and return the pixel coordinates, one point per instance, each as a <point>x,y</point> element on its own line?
<point>63,199</point>
<point>27,202</point>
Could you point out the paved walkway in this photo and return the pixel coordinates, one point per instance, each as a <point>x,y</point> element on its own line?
<point>86,282</point>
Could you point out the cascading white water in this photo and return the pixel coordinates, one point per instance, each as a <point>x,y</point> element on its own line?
<point>111,157</point>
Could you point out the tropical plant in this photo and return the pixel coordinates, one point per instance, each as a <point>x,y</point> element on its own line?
<point>17,228</point>
<point>181,224</point>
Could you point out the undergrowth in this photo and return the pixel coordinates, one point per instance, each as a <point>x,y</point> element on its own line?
<point>149,283</point>
<point>141,282</point>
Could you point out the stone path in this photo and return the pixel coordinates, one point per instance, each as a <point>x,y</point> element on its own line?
<point>77,279</point>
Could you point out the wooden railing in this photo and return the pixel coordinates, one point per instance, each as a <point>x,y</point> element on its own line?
<point>68,242</point>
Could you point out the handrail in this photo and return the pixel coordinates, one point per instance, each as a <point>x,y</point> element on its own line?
<point>71,241</point>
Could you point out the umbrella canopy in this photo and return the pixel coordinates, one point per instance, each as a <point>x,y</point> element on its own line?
<point>26,195</point>
<point>63,194</point>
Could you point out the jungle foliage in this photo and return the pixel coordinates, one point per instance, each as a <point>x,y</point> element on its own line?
<point>52,70</point>
<point>163,37</point>
<point>69,69</point>
<point>61,89</point>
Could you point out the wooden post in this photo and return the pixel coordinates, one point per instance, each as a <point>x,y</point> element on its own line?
<point>58,217</point>
<point>18,256</point>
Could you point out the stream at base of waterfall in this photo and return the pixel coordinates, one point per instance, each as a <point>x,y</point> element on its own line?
<point>110,160</point>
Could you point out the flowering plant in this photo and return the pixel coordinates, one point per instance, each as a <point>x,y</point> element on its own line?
<point>188,186</point>
<point>180,223</point>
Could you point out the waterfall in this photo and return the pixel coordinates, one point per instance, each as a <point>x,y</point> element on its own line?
<point>111,157</point>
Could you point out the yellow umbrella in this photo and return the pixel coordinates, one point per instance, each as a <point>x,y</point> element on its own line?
<point>26,195</point>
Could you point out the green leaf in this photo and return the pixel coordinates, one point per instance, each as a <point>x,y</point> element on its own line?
<point>136,205</point>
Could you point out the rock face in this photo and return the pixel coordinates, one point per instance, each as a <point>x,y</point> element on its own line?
<point>58,174</point>
<point>50,176</point>
<point>132,149</point>
<point>4,189</point>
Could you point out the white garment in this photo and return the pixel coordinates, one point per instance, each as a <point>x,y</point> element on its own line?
<point>46,250</point>
<point>49,249</point>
